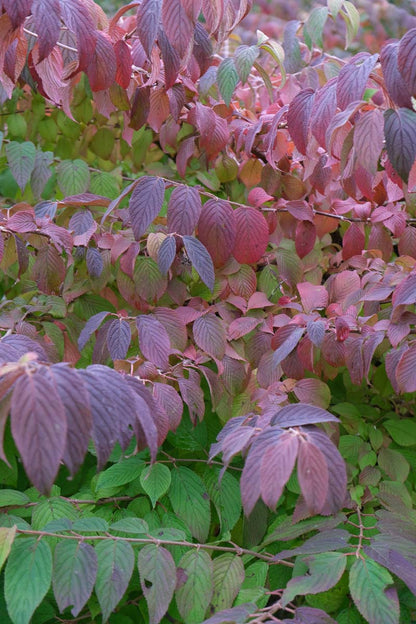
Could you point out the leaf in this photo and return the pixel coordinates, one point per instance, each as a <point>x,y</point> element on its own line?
<point>157,572</point>
<point>312,476</point>
<point>284,341</point>
<point>228,575</point>
<point>402,431</point>
<point>276,467</point>
<point>314,26</point>
<point>194,595</point>
<point>244,58</point>
<point>190,501</point>
<point>298,118</point>
<point>353,77</point>
<point>193,396</point>
<point>74,573</point>
<point>201,260</point>
<point>224,492</point>
<point>115,566</point>
<point>405,292</point>
<point>209,335</point>
<point>124,471</point>
<point>150,283</point>
<point>39,428</point>
<point>217,230</point>
<point>94,262</point>
<point>227,79</point>
<point>148,18</point>
<point>118,338</point>
<point>368,583</point>
<point>145,203</point>
<point>184,209</point>
<point>324,572</point>
<point>166,254</point>
<point>368,139</point>
<point>236,615</point>
<point>396,86</point>
<point>7,536</point>
<point>27,578</point>
<point>406,59</point>
<point>400,134</point>
<point>252,235</point>
<point>301,414</point>
<point>78,19</point>
<point>351,17</point>
<point>102,66</point>
<point>21,159</point>
<point>140,109</point>
<point>73,176</point>
<point>177,26</point>
<point>155,480</point>
<point>154,340</point>
<point>49,270</point>
<point>130,525</point>
<point>13,497</point>
<point>90,327</point>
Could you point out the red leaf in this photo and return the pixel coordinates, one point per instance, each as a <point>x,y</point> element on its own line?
<point>252,235</point>
<point>342,329</point>
<point>184,209</point>
<point>284,341</point>
<point>242,326</point>
<point>406,60</point>
<point>102,67</point>
<point>405,292</point>
<point>395,84</point>
<point>123,63</point>
<point>400,133</point>
<point>276,467</point>
<point>76,16</point>
<point>313,476</point>
<point>209,335</point>
<point>217,229</point>
<point>300,209</point>
<point>313,297</point>
<point>369,139</point>
<point>170,58</point>
<point>352,78</point>
<point>153,340</point>
<point>47,22</point>
<point>170,401</point>
<point>148,18</point>
<point>140,108</point>
<point>258,196</point>
<point>324,108</point>
<point>201,260</point>
<point>145,204</point>
<point>118,338</point>
<point>39,428</point>
<point>298,118</point>
<point>353,241</point>
<point>405,371</point>
<point>178,27</point>
<point>305,238</point>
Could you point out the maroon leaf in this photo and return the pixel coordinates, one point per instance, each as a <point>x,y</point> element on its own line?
<point>148,18</point>
<point>140,108</point>
<point>202,49</point>
<point>48,270</point>
<point>17,11</point>
<point>298,118</point>
<point>324,541</point>
<point>395,84</point>
<point>305,238</point>
<point>201,260</point>
<point>217,230</point>
<point>148,426</point>
<point>178,26</point>
<point>337,474</point>
<point>250,477</point>
<point>83,226</point>
<point>118,338</point>
<point>406,60</point>
<point>393,561</point>
<point>174,325</point>
<point>46,19</point>
<point>369,139</point>
<point>352,78</point>
<point>89,328</point>
<point>301,414</point>
<point>171,60</point>
<point>123,63</point>
<point>313,297</point>
<point>405,371</point>
<point>193,395</point>
<point>76,16</point>
<point>400,133</point>
<point>276,467</point>
<point>284,341</point>
<point>184,209</point>
<point>252,235</point>
<point>95,262</point>
<point>169,399</point>
<point>102,67</point>
<point>209,334</point>
<point>166,254</point>
<point>324,108</point>
<point>145,204</point>
<point>405,292</point>
<point>241,327</point>
<point>39,428</point>
<point>153,340</point>
<point>312,476</point>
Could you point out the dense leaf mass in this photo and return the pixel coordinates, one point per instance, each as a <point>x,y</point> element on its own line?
<point>208,290</point>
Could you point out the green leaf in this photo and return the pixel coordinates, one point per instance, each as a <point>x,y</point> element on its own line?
<point>155,480</point>
<point>157,572</point>
<point>277,52</point>
<point>121,473</point>
<point>324,572</point>
<point>403,432</point>
<point>13,497</point>
<point>226,496</point>
<point>130,525</point>
<point>87,525</point>
<point>27,578</point>
<point>105,184</point>
<point>314,26</point>
<point>190,501</point>
<point>74,574</point>
<point>352,20</point>
<point>115,567</point>
<point>228,577</point>
<point>368,582</point>
<point>52,509</point>
<point>227,79</point>
<point>7,536</point>
<point>253,586</point>
<point>21,159</point>
<point>243,59</point>
<point>73,176</point>
<point>334,7</point>
<point>194,595</point>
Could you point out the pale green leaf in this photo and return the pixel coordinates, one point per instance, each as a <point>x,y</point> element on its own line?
<point>244,58</point>
<point>115,567</point>
<point>7,536</point>
<point>52,509</point>
<point>157,572</point>
<point>155,480</point>
<point>368,582</point>
<point>277,52</point>
<point>403,431</point>
<point>190,501</point>
<point>194,595</point>
<point>334,7</point>
<point>120,473</point>
<point>12,498</point>
<point>73,176</point>
<point>226,496</point>
<point>130,525</point>
<point>228,577</point>
<point>314,26</point>
<point>21,160</point>
<point>352,21</point>
<point>94,523</point>
<point>27,578</point>
<point>227,78</point>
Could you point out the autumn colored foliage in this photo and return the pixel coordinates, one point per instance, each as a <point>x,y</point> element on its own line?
<point>208,288</point>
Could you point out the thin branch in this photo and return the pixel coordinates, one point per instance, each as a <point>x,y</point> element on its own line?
<point>58,43</point>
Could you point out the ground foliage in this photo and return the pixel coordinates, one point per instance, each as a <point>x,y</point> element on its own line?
<point>208,282</point>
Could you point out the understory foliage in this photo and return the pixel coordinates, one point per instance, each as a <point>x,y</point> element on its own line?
<point>207,314</point>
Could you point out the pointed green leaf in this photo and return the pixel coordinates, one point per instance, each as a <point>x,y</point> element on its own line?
<point>53,508</point>
<point>226,496</point>
<point>73,176</point>
<point>190,501</point>
<point>194,596</point>
<point>21,160</point>
<point>155,480</point>
<point>314,26</point>
<point>157,572</point>
<point>13,497</point>
<point>130,525</point>
<point>244,58</point>
<point>228,577</point>
<point>352,21</point>
<point>74,573</point>
<point>368,582</point>
<point>227,78</point>
<point>7,536</point>
<point>27,578</point>
<point>121,473</point>
<point>115,567</point>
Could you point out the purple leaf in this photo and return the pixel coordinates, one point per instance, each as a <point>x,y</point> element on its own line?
<point>166,254</point>
<point>352,78</point>
<point>169,399</point>
<point>217,229</point>
<point>237,615</point>
<point>395,84</point>
<point>78,19</point>
<point>325,106</point>
<point>276,467</point>
<point>400,133</point>
<point>15,346</point>
<point>406,59</point>
<point>405,292</point>
<point>395,562</point>
<point>325,541</point>
<point>209,335</point>
<point>148,18</point>
<point>95,263</point>
<point>145,203</point>
<point>74,574</point>
<point>193,396</point>
<point>184,209</point>
<point>201,260</point>
<point>118,338</point>
<point>298,118</point>
<point>154,340</point>
<point>337,473</point>
<point>301,414</point>
<point>312,476</point>
<point>285,339</point>
<point>157,572</point>
<point>146,423</point>
<point>89,328</point>
<point>316,332</point>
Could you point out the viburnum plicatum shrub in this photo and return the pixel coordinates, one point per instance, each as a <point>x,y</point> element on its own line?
<point>208,288</point>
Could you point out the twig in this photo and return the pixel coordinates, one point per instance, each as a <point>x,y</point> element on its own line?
<point>58,43</point>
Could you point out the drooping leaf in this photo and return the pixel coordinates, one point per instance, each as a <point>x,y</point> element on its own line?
<point>314,26</point>
<point>368,583</point>
<point>155,480</point>
<point>148,17</point>
<point>312,476</point>
<point>194,596</point>
<point>7,535</point>
<point>74,573</point>
<point>225,495</point>
<point>201,260</point>
<point>145,204</point>
<point>90,327</point>
<point>400,133</point>
<point>184,209</point>
<point>154,340</point>
<point>166,254</point>
<point>118,338</point>
<point>27,578</point>
<point>352,78</point>
<point>406,60</point>
<point>395,83</point>
<point>190,501</point>
<point>276,467</point>
<point>102,66</point>
<point>284,341</point>
<point>115,561</point>
<point>227,78</point>
<point>228,575</point>
<point>298,118</point>
<point>252,235</point>
<point>157,572</point>
<point>244,58</point>
<point>21,159</point>
<point>178,26</point>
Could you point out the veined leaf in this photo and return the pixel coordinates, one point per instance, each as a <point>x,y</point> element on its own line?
<point>74,573</point>
<point>155,480</point>
<point>201,260</point>
<point>73,176</point>
<point>228,575</point>
<point>190,501</point>
<point>157,572</point>
<point>243,59</point>
<point>7,536</point>
<point>121,473</point>
<point>145,204</point>
<point>227,78</point>
<point>115,566</point>
<point>194,596</point>
<point>368,584</point>
<point>314,26</point>
<point>21,160</point>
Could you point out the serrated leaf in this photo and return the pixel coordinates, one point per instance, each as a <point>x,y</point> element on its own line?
<point>252,235</point>
<point>166,254</point>
<point>95,262</point>
<point>148,17</point>
<point>228,575</point>
<point>21,160</point>
<point>118,338</point>
<point>184,209</point>
<point>28,576</point>
<point>190,501</point>
<point>73,176</point>
<point>324,572</point>
<point>201,260</point>
<point>226,497</point>
<point>155,480</point>
<point>130,525</point>
<point>209,335</point>
<point>403,431</point>
<point>157,572</point>
<point>121,473</point>
<point>115,566</point>
<point>314,26</point>
<point>90,327</point>
<point>87,525</point>
<point>13,497</point>
<point>145,203</point>
<point>154,341</point>
<point>7,535</point>
<point>244,58</point>
<point>150,283</point>
<point>227,79</point>
<point>368,583</point>
<point>217,230</point>
<point>74,573</point>
<point>194,596</point>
